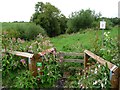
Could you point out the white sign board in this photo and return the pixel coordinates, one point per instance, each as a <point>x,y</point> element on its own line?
<point>102,24</point>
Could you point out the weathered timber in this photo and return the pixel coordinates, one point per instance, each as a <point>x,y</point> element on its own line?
<point>100,60</point>
<point>22,54</point>
<point>73,60</point>
<point>71,54</point>
<point>85,60</point>
<point>115,79</point>
<point>113,68</point>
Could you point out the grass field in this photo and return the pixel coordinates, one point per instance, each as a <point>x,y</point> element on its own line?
<point>77,42</point>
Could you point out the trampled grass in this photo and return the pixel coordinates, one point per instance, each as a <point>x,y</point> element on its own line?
<point>80,41</point>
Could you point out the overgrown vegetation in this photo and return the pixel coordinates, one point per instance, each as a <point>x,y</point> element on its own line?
<point>80,31</point>
<point>26,31</point>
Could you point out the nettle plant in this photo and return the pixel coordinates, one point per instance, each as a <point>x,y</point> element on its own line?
<point>110,49</point>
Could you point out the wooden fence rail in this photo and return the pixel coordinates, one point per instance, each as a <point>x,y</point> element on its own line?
<point>61,55</point>
<point>115,71</point>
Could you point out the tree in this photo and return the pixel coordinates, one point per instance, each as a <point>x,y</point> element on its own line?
<point>50,18</point>
<point>81,20</point>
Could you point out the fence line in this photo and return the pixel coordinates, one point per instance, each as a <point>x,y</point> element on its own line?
<point>33,59</point>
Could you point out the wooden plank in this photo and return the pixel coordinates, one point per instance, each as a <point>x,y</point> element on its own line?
<point>115,79</point>
<point>47,51</point>
<point>101,60</point>
<point>22,54</point>
<point>72,54</point>
<point>85,60</point>
<point>73,60</point>
<point>59,54</point>
<point>17,53</point>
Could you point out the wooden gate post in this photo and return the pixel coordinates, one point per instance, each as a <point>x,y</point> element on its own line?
<point>86,57</point>
<point>37,62</point>
<point>34,68</point>
<point>115,78</point>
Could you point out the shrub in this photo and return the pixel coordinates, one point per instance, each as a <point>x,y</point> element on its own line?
<point>82,19</point>
<point>27,31</point>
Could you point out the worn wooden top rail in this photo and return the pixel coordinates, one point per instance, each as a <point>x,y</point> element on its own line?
<point>74,60</point>
<point>61,55</point>
<point>101,60</point>
<point>22,54</point>
<point>71,53</point>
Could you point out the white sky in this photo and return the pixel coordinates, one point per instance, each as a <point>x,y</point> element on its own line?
<point>22,10</point>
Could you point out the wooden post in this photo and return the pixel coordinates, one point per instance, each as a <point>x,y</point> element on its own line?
<point>115,79</point>
<point>86,57</point>
<point>36,58</point>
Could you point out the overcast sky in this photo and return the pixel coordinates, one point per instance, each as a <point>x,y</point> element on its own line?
<point>22,10</point>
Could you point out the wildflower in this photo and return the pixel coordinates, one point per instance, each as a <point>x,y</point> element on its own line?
<point>79,73</point>
<point>22,41</point>
<point>99,80</point>
<point>30,46</point>
<point>104,33</point>
<point>108,51</point>
<point>54,52</point>
<point>108,32</point>
<point>38,79</point>
<point>91,70</point>
<point>79,82</point>
<point>95,71</point>
<point>13,39</point>
<point>18,39</point>
<point>81,85</point>
<point>102,85</point>
<point>48,74</point>
<point>99,66</point>
<point>60,61</point>
<point>94,83</point>
<point>38,69</point>
<point>30,51</point>
<point>23,61</point>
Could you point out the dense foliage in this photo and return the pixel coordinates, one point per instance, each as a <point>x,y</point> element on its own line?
<point>50,18</point>
<point>15,72</point>
<point>27,31</point>
<point>81,20</point>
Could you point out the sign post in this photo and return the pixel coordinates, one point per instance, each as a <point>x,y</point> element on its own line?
<point>102,26</point>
